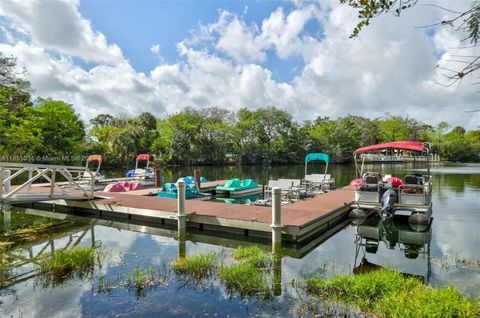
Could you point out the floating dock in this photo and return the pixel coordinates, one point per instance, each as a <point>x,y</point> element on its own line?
<point>301,221</point>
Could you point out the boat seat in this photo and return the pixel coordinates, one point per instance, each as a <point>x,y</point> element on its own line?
<point>413,184</point>
<point>371,181</point>
<point>414,180</point>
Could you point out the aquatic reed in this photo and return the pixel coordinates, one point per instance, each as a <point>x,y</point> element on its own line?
<point>246,279</point>
<point>253,255</point>
<point>61,263</point>
<point>200,266</point>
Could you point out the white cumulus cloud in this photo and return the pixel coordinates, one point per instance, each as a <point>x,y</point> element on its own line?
<point>390,67</point>
<point>58,25</point>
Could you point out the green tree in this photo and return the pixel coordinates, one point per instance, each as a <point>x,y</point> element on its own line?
<point>394,128</point>
<point>61,129</point>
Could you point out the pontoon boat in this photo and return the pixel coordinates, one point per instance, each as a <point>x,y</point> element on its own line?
<point>412,195</point>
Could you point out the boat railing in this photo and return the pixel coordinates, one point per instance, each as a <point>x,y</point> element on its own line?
<point>369,157</point>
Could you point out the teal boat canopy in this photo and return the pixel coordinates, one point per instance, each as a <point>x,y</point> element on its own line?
<point>317,156</point>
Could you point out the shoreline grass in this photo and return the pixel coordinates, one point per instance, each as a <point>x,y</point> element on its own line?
<point>387,293</point>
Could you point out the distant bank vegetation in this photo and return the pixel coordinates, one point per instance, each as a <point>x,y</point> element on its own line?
<point>50,131</point>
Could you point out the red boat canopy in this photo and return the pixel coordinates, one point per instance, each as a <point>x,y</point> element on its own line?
<point>98,158</point>
<point>409,145</point>
<point>144,156</point>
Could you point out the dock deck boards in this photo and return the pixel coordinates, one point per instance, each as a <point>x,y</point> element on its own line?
<point>296,214</point>
<point>298,218</point>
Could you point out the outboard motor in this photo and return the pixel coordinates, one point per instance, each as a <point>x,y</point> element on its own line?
<point>385,209</point>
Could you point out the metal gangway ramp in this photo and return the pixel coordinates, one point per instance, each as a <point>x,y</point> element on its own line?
<point>21,182</point>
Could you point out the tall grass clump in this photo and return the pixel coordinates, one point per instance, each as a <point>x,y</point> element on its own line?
<point>140,279</point>
<point>387,293</point>
<point>253,255</point>
<point>200,266</point>
<point>246,279</point>
<point>64,264</point>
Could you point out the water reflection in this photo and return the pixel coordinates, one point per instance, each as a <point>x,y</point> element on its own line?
<point>24,246</point>
<point>344,249</point>
<point>395,233</point>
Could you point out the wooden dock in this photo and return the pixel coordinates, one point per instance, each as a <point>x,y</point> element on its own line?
<point>301,221</point>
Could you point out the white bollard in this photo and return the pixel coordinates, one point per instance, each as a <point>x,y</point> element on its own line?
<point>181,207</point>
<point>276,217</point>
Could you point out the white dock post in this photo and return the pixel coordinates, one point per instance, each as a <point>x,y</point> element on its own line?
<point>276,218</point>
<point>6,185</point>
<point>181,207</point>
<point>277,273</point>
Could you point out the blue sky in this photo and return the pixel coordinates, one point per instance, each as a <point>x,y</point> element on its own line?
<point>138,25</point>
<point>295,55</point>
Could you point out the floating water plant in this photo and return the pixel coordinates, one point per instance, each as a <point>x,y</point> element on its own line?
<point>200,266</point>
<point>387,293</point>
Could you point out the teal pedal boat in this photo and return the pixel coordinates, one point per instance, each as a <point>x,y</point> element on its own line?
<point>237,188</point>
<point>170,190</point>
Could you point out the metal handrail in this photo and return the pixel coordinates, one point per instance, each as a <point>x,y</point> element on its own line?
<point>42,171</point>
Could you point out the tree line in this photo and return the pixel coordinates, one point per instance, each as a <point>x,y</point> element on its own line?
<point>49,131</point>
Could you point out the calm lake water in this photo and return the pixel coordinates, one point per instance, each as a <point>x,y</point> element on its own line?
<point>447,253</point>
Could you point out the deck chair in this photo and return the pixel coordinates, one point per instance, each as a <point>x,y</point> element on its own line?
<point>295,188</point>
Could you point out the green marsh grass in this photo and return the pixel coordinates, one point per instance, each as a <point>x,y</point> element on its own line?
<point>246,279</point>
<point>64,264</point>
<point>387,293</point>
<point>200,266</point>
<point>253,255</point>
<point>138,281</point>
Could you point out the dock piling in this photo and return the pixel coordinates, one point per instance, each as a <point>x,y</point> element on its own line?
<point>276,218</point>
<point>197,176</point>
<point>181,208</point>
<point>158,178</point>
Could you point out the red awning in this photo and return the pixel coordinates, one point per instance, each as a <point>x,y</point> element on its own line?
<point>144,156</point>
<point>409,145</point>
